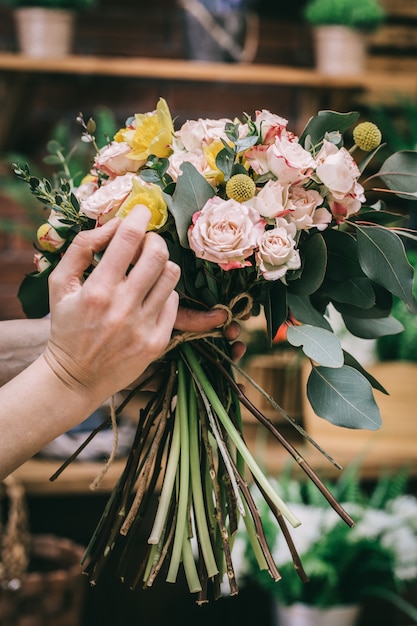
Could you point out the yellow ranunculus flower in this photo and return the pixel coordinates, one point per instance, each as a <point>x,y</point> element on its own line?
<point>152,134</point>
<point>214,175</point>
<point>152,197</point>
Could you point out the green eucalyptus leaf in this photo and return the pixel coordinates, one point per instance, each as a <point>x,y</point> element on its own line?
<point>383,258</point>
<point>54,146</point>
<point>314,264</point>
<point>34,295</point>
<point>317,343</point>
<point>327,122</point>
<point>372,328</point>
<point>342,254</point>
<point>52,159</point>
<point>191,194</point>
<point>350,360</point>
<point>399,173</point>
<point>343,397</point>
<point>305,312</point>
<point>357,291</point>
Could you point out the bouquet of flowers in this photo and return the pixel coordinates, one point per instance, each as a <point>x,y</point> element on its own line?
<point>258,219</point>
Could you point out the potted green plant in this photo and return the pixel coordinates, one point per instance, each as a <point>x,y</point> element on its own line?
<point>340,28</point>
<point>345,566</point>
<point>45,28</point>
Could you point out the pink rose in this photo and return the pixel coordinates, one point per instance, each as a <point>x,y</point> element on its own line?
<point>337,170</point>
<point>257,157</point>
<point>269,125</point>
<point>196,133</point>
<point>288,160</point>
<point>41,262</point>
<point>87,187</point>
<point>304,212</point>
<point>271,200</point>
<point>225,232</point>
<point>347,205</point>
<point>103,204</point>
<point>113,159</point>
<point>276,253</point>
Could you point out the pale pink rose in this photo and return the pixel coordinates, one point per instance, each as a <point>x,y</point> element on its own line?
<point>276,253</point>
<point>288,160</point>
<point>41,262</point>
<point>113,159</point>
<point>103,204</point>
<point>225,232</point>
<point>304,212</point>
<point>348,205</point>
<point>198,159</point>
<point>195,133</point>
<point>337,170</point>
<point>269,125</point>
<point>257,157</point>
<point>271,200</point>
<point>87,188</point>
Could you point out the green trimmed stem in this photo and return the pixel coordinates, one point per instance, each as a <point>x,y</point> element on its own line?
<point>235,435</point>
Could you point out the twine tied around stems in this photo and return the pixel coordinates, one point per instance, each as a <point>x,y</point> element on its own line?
<point>238,308</point>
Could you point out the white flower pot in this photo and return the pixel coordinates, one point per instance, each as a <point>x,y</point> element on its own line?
<point>340,50</point>
<point>305,615</point>
<point>44,32</point>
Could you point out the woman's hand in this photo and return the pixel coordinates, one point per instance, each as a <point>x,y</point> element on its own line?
<point>107,329</point>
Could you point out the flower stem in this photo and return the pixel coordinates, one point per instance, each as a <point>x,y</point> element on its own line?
<point>197,490</point>
<point>184,475</point>
<point>235,435</point>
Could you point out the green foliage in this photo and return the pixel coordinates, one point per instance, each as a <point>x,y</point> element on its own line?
<point>342,567</point>
<point>361,14</point>
<point>402,346</point>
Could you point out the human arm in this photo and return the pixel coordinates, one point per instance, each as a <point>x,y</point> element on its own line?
<point>104,333</point>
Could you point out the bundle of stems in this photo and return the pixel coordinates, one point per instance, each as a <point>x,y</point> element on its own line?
<point>189,449</point>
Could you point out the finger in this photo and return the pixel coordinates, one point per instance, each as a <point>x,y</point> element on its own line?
<point>162,289</point>
<point>150,266</point>
<point>238,349</point>
<point>199,321</point>
<point>68,274</point>
<point>125,246</point>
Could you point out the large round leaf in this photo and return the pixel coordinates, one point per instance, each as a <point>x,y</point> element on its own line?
<point>318,344</point>
<point>343,397</point>
<point>399,173</point>
<point>383,258</point>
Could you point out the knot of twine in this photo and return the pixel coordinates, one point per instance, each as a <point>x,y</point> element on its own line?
<point>238,308</point>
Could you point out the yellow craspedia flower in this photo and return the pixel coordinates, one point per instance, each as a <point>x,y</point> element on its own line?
<point>152,197</point>
<point>240,187</point>
<point>367,136</point>
<point>152,134</point>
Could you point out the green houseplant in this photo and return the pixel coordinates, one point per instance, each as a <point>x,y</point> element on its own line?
<point>376,558</point>
<point>340,28</point>
<point>45,28</point>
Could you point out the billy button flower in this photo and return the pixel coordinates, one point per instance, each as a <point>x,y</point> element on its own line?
<point>367,136</point>
<point>240,187</point>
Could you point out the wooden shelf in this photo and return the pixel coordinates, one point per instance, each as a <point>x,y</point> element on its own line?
<point>178,69</point>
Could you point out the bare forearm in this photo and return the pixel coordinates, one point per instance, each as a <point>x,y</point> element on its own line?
<point>36,407</point>
<point>21,342</point>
